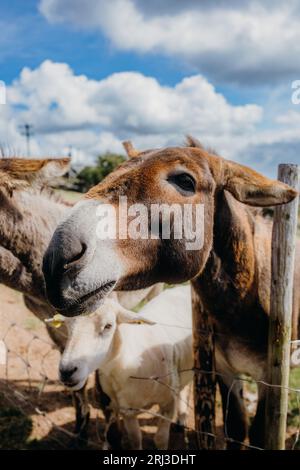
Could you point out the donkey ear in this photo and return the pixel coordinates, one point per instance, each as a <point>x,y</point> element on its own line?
<point>17,173</point>
<point>130,150</point>
<point>126,316</point>
<point>254,189</point>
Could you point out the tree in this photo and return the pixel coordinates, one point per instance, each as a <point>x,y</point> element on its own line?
<point>92,175</point>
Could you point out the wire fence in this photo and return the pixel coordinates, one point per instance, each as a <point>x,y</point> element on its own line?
<point>30,372</point>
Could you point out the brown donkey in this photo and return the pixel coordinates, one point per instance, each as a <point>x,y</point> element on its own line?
<point>230,273</point>
<point>28,218</point>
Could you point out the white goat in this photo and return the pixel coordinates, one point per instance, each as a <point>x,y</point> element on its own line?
<point>140,364</point>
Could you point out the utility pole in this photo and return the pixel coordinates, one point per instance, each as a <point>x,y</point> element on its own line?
<point>70,151</point>
<point>26,130</point>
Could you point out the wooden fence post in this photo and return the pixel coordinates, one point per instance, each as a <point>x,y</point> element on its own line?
<point>283,254</point>
<point>204,375</point>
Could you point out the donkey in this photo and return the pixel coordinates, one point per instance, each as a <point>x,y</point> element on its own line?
<point>230,274</point>
<point>28,217</point>
<point>29,214</point>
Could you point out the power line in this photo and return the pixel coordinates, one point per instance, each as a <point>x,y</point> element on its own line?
<point>27,131</point>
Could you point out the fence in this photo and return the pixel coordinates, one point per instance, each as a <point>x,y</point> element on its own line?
<point>283,254</point>
<point>30,386</point>
<point>30,376</point>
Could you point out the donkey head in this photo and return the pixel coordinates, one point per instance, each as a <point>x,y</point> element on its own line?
<point>81,267</point>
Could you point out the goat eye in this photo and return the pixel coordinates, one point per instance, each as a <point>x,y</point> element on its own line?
<point>183,182</point>
<point>108,326</point>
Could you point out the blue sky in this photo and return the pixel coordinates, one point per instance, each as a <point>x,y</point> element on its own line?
<point>91,73</point>
<point>87,52</point>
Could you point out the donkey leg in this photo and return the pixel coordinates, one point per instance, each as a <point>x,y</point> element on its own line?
<point>82,411</point>
<point>234,412</point>
<point>257,429</point>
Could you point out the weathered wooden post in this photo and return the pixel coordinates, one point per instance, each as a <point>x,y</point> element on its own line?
<point>283,253</point>
<point>204,375</point>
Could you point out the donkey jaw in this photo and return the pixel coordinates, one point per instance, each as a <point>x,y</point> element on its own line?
<point>89,302</point>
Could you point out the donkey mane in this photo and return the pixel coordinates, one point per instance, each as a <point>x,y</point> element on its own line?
<point>44,190</point>
<point>33,183</point>
<point>52,195</point>
<point>7,151</point>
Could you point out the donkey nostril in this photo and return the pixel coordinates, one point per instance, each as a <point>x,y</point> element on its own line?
<point>76,257</point>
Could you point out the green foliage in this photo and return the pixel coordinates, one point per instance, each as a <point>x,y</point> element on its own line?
<point>92,175</point>
<point>294,398</point>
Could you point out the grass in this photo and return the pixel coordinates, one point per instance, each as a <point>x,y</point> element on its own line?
<point>69,196</point>
<point>293,418</point>
<point>15,429</point>
<point>294,399</point>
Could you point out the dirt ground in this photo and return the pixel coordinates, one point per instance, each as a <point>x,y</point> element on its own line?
<point>36,411</point>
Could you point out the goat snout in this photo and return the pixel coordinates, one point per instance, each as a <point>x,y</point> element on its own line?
<point>66,373</point>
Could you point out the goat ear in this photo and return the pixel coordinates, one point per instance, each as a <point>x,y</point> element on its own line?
<point>127,316</point>
<point>254,189</point>
<point>17,173</point>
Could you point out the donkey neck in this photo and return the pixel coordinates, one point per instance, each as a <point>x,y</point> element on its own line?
<point>229,284</point>
<point>27,222</point>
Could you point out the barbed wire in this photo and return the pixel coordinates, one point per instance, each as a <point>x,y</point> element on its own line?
<point>234,379</point>
<point>29,404</point>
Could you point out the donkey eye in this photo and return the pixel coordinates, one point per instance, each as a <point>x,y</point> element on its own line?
<point>183,182</point>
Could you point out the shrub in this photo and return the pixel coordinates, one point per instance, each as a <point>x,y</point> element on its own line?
<point>92,175</point>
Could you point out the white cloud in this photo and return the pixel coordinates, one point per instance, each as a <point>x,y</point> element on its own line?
<point>95,116</point>
<point>290,118</point>
<point>247,42</point>
<point>266,157</point>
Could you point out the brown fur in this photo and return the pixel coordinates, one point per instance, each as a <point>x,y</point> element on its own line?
<point>230,274</point>
<point>27,221</point>
<point>130,150</point>
<point>29,215</point>
<point>18,173</point>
